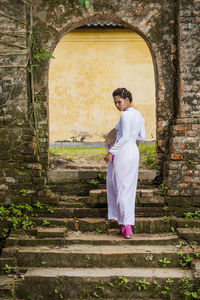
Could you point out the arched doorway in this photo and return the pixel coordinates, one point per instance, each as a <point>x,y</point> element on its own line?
<point>90,62</point>
<point>148,28</point>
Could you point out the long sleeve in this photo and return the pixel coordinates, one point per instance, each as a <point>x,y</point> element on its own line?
<point>141,134</point>
<point>125,126</point>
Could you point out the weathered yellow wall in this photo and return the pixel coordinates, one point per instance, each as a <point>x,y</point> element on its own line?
<point>88,66</point>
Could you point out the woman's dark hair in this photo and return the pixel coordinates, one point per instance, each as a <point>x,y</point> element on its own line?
<point>123,93</point>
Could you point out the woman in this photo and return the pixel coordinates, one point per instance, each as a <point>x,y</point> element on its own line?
<point>123,158</point>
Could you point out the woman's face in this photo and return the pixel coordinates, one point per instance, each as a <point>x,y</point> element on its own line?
<point>121,103</point>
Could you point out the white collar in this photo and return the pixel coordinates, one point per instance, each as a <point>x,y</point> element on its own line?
<point>129,108</point>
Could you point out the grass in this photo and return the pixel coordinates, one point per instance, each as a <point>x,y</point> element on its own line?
<point>73,153</point>
<point>147,153</point>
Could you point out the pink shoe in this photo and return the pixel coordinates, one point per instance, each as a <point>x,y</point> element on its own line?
<point>126,231</point>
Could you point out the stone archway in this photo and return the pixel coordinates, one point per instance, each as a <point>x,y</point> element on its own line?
<point>148,20</point>
<point>103,56</point>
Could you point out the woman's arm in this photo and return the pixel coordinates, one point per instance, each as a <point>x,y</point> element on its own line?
<point>141,134</point>
<point>125,126</point>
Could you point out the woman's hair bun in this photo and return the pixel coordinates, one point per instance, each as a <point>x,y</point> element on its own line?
<point>123,93</point>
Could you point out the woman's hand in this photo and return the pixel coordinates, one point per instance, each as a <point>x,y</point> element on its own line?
<point>108,157</point>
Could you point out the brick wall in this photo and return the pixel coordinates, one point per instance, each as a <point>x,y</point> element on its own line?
<point>184,168</point>
<point>19,167</point>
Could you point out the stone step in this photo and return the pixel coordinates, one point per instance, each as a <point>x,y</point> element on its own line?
<point>6,286</point>
<point>93,239</point>
<point>98,197</point>
<point>72,201</point>
<point>63,176</point>
<point>103,283</point>
<point>51,232</point>
<point>189,234</point>
<point>83,255</point>
<point>101,212</point>
<point>9,261</point>
<point>79,182</point>
<point>185,222</point>
<point>85,212</point>
<point>142,225</point>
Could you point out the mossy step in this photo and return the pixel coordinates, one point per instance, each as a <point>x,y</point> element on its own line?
<point>100,212</point>
<point>94,239</point>
<point>83,255</point>
<point>72,201</point>
<point>185,222</point>
<point>189,234</point>
<point>62,176</point>
<point>98,197</point>
<point>10,261</point>
<point>51,232</point>
<point>105,283</point>
<point>6,286</point>
<point>142,225</point>
<point>142,210</point>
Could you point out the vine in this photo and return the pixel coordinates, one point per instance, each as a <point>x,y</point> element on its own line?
<point>85,3</point>
<point>19,216</point>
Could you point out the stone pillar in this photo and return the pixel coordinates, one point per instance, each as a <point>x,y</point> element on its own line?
<point>19,169</point>
<point>184,167</point>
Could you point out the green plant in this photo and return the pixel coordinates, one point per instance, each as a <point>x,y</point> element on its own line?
<point>50,209</point>
<point>133,259</point>
<point>164,261</point>
<point>182,243</point>
<point>10,270</point>
<point>165,290</point>
<point>193,243</point>
<point>85,3</point>
<point>163,187</point>
<point>98,230</point>
<point>165,208</point>
<point>121,281</point>
<point>45,223</point>
<point>185,259</point>
<point>96,295</point>
<point>172,229</point>
<point>23,192</point>
<point>5,232</point>
<point>84,293</point>
<point>157,285</point>
<point>26,224</point>
<point>150,160</point>
<point>141,284</point>
<point>148,155</point>
<point>94,181</point>
<point>38,54</point>
<point>87,260</point>
<point>43,262</point>
<point>101,175</point>
<point>100,286</point>
<point>7,269</point>
<point>193,215</point>
<point>149,257</point>
<point>19,216</point>
<point>187,288</point>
